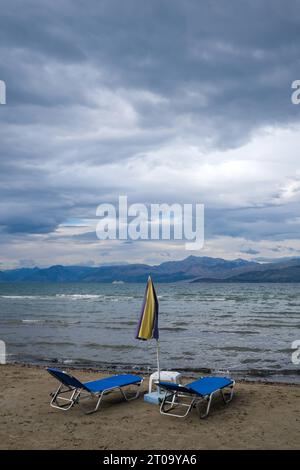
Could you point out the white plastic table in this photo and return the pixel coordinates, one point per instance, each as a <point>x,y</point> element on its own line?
<point>165,375</point>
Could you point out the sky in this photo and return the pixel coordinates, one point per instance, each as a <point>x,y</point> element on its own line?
<point>167,101</point>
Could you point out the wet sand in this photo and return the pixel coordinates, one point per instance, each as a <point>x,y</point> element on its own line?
<point>261,416</point>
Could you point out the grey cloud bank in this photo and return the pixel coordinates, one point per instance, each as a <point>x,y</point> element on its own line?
<point>166,101</point>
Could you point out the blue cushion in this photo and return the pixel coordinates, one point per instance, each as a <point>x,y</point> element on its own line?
<point>207,385</point>
<point>112,382</point>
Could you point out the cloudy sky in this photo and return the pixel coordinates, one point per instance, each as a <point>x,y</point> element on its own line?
<point>164,101</point>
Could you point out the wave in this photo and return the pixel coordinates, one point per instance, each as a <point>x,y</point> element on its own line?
<point>244,349</point>
<point>35,297</point>
<point>118,347</point>
<point>272,325</point>
<point>172,328</point>
<point>39,321</point>
<point>54,343</point>
<point>83,296</point>
<point>238,332</point>
<point>34,321</point>
<point>54,322</point>
<point>101,297</point>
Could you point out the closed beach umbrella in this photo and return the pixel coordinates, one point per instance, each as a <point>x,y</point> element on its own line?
<point>148,324</point>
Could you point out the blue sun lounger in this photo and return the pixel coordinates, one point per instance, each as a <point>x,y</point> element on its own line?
<point>193,394</point>
<point>71,391</point>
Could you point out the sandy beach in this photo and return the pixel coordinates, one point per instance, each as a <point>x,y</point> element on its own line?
<point>261,416</point>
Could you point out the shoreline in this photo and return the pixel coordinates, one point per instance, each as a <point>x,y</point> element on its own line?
<point>260,416</point>
<point>257,376</point>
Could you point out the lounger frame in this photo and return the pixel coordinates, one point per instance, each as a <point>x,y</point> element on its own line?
<point>188,399</point>
<point>67,396</point>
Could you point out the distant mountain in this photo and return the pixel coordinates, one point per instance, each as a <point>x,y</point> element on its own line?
<point>192,269</point>
<point>279,271</point>
<point>171,271</point>
<point>291,274</point>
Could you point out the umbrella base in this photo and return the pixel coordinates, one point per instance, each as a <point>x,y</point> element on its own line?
<point>154,397</point>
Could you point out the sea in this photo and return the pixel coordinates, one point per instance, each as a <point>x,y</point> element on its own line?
<point>244,330</point>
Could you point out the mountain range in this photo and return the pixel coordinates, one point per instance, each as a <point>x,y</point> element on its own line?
<point>190,269</point>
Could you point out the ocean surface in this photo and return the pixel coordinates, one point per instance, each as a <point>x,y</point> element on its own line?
<point>245,330</point>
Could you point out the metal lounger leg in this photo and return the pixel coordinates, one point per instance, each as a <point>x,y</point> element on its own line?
<point>70,401</point>
<point>127,398</point>
<point>88,412</point>
<point>171,400</point>
<point>228,400</point>
<point>108,391</point>
<point>209,400</point>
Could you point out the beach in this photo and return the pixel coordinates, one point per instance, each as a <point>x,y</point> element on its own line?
<point>261,416</point>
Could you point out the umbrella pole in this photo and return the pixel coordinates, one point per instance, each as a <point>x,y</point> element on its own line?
<point>158,365</point>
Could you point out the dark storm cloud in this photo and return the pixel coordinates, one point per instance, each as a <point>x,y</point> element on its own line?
<point>249,251</point>
<point>94,83</point>
<point>245,53</point>
<point>270,222</point>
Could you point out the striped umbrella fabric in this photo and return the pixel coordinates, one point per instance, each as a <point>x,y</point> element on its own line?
<point>148,324</point>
